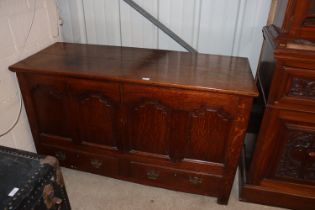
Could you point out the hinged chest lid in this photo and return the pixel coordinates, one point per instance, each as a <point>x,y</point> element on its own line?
<point>146,66</point>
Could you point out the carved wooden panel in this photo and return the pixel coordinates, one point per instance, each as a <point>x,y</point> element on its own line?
<point>302,87</point>
<point>97,115</point>
<point>149,127</point>
<point>298,156</point>
<point>208,134</point>
<point>50,104</point>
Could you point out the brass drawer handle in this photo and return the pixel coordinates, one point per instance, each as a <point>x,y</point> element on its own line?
<point>96,163</point>
<point>311,155</point>
<point>60,155</point>
<point>152,174</point>
<point>195,180</point>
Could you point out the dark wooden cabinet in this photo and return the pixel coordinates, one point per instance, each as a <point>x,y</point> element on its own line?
<point>167,119</point>
<point>294,19</point>
<point>281,170</point>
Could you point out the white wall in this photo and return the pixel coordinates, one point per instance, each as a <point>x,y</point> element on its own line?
<point>227,27</point>
<point>16,17</point>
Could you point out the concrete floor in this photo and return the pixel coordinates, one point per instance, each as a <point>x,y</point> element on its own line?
<point>92,192</point>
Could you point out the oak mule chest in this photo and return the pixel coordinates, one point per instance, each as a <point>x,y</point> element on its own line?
<point>168,119</point>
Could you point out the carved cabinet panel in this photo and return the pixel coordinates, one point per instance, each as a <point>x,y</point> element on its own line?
<point>63,110</point>
<point>99,127</point>
<point>297,158</point>
<point>148,125</point>
<point>153,121</point>
<point>209,129</point>
<point>291,143</point>
<point>302,87</point>
<point>50,104</point>
<point>295,87</point>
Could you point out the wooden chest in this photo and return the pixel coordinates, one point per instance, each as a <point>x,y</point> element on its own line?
<point>169,119</point>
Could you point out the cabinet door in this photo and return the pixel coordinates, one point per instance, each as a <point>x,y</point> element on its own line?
<point>96,106</point>
<point>297,157</point>
<point>296,140</point>
<point>286,147</point>
<point>178,124</point>
<point>50,105</point>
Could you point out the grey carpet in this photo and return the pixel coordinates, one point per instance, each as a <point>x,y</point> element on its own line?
<point>92,192</point>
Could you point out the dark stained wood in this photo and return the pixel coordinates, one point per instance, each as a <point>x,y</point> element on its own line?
<point>99,127</point>
<point>215,122</point>
<point>281,172</point>
<point>92,107</point>
<point>180,179</point>
<point>50,102</point>
<point>198,110</point>
<point>149,134</point>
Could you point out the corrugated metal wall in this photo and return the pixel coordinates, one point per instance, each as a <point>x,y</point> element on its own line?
<point>226,27</point>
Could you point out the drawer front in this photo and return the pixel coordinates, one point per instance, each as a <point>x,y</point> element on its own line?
<point>178,124</point>
<point>98,164</point>
<point>66,158</point>
<point>294,87</point>
<point>94,163</point>
<point>175,179</point>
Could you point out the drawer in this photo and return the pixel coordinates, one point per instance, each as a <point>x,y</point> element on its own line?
<point>66,158</point>
<point>94,163</point>
<point>98,164</point>
<point>175,179</point>
<point>294,88</point>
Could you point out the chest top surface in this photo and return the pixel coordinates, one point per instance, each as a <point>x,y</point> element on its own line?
<point>144,66</point>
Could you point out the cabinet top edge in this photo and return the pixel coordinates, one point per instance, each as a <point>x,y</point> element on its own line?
<point>159,67</point>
